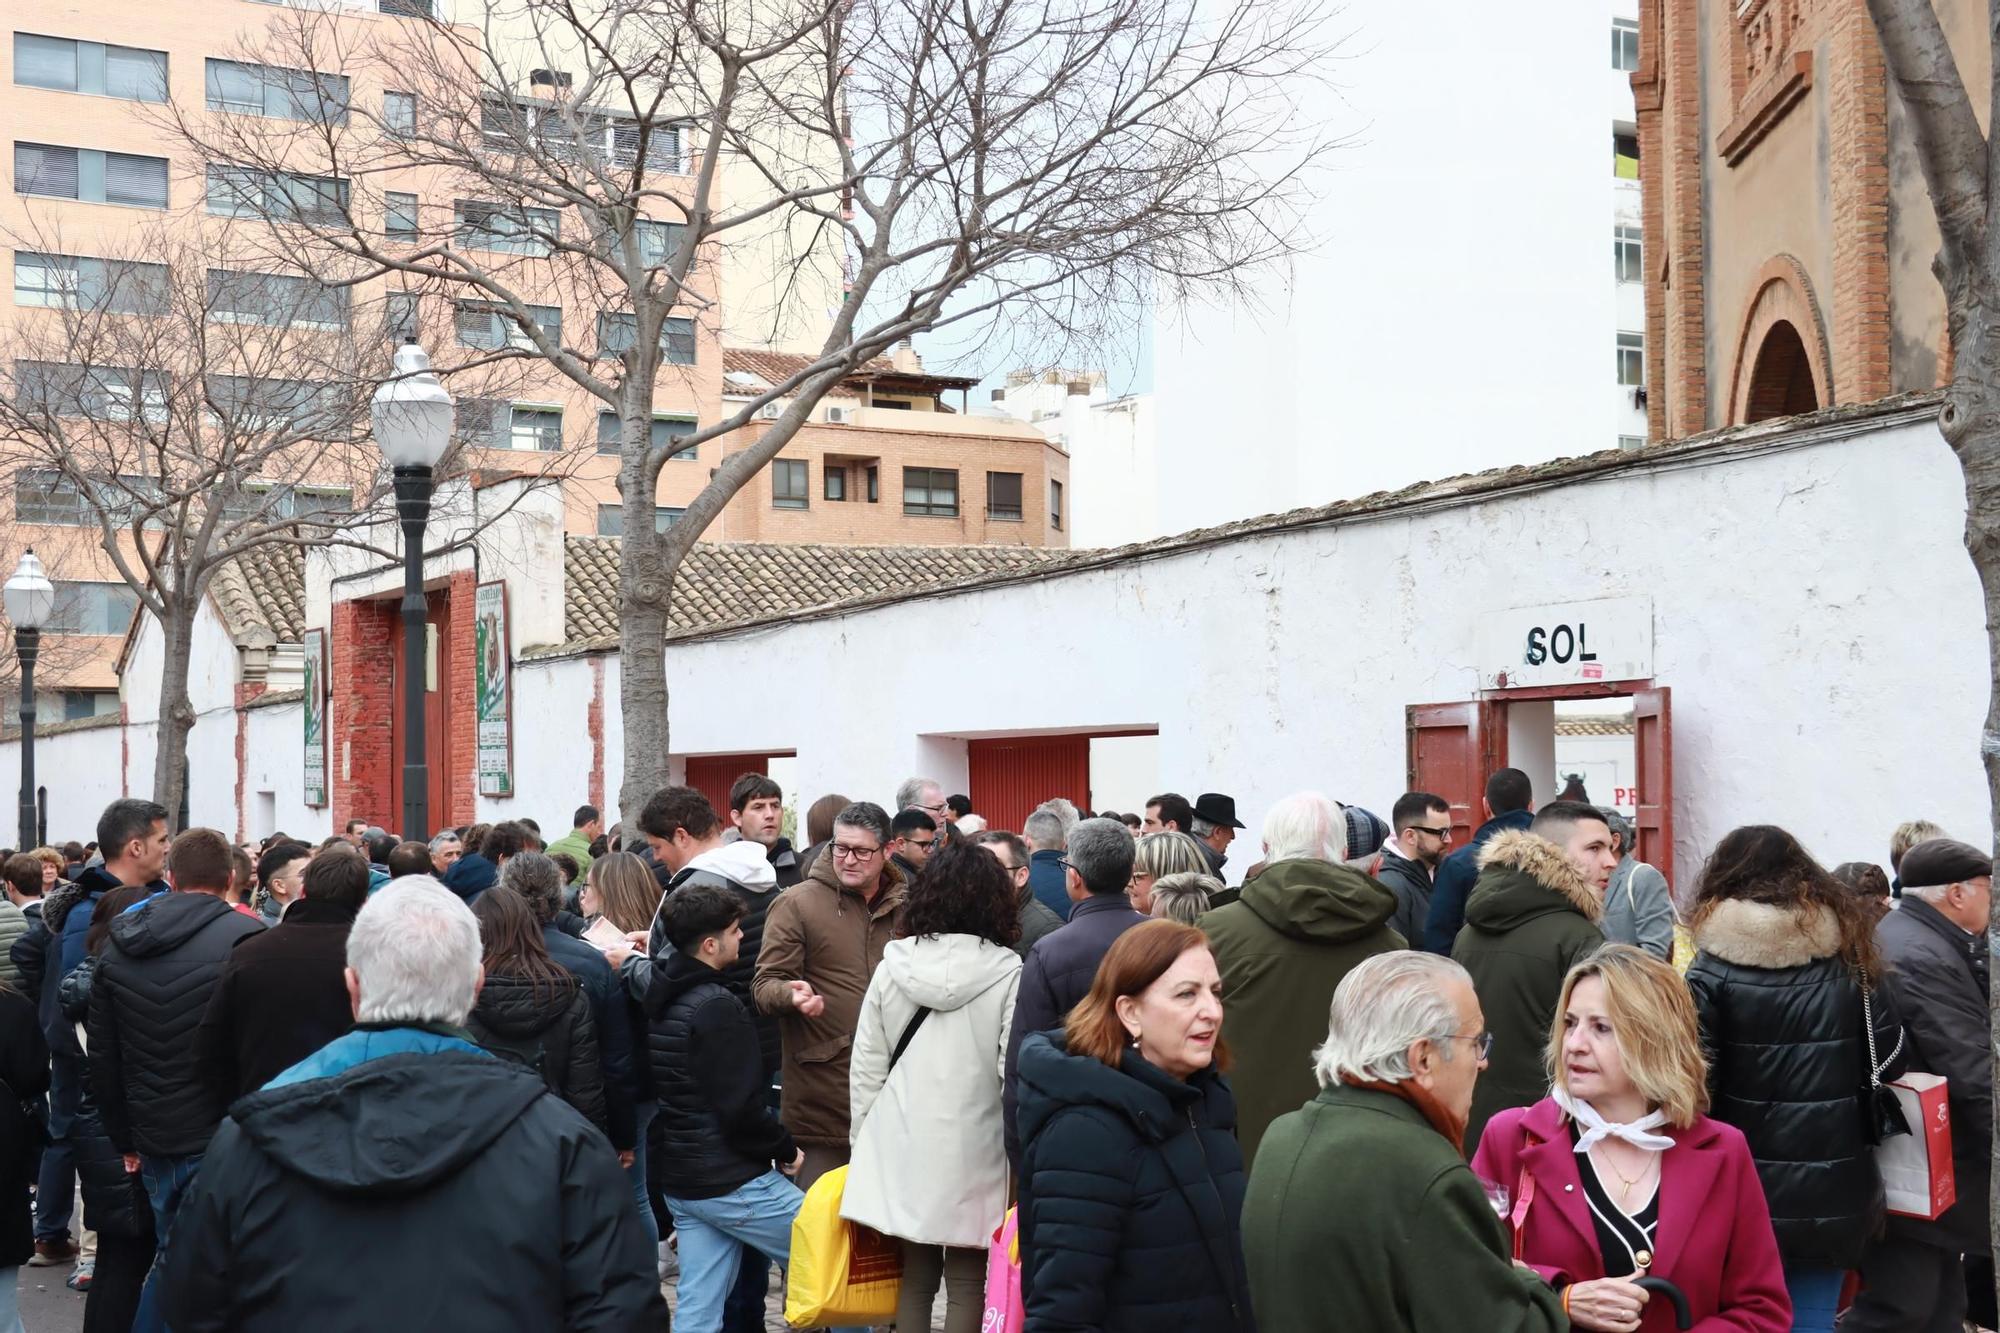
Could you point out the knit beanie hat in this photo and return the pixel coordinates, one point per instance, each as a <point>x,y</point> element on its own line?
<point>1365,832</point>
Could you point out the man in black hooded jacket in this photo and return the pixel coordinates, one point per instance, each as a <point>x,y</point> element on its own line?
<point>402,1178</point>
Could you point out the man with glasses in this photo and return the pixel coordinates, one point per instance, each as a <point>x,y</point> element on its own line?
<point>822,942</point>
<point>1036,919</point>
<point>913,836</point>
<point>926,795</point>
<point>1410,858</point>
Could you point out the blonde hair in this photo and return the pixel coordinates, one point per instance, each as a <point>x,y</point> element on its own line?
<point>626,889</point>
<point>1908,835</point>
<point>50,856</point>
<point>1653,1022</point>
<point>1164,854</point>
<point>1183,897</point>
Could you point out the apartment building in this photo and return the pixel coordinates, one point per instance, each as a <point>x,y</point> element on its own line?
<point>93,172</point>
<point>1793,269</point>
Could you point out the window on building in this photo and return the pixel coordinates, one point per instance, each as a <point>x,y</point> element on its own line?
<point>931,491</point>
<point>80,704</point>
<point>271,90</point>
<point>874,484</point>
<point>399,216</point>
<point>258,403</point>
<point>510,228</point>
<point>1624,44</point>
<point>103,393</point>
<point>1055,504</point>
<point>43,495</point>
<point>611,519</point>
<point>400,311</point>
<point>617,329</point>
<point>409,9</point>
<point>1003,496</point>
<point>833,481</point>
<point>79,282</point>
<point>488,325</point>
<point>128,72</point>
<point>1632,359</point>
<point>1625,156</point>
<point>477,422</point>
<point>662,144</point>
<point>275,300</point>
<point>277,196</point>
<point>788,483</point>
<point>285,502</point>
<point>659,241</point>
<point>1627,254</point>
<point>399,113</point>
<point>91,608</point>
<point>537,428</point>
<point>1630,442</point>
<point>610,436</point>
<point>90,176</point>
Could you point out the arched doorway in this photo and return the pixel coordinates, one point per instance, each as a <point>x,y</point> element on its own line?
<point>1781,381</point>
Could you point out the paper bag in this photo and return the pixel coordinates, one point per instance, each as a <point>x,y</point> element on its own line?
<point>1916,1167</point>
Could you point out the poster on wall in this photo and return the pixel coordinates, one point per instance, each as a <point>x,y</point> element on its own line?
<point>493,676</point>
<point>315,713</point>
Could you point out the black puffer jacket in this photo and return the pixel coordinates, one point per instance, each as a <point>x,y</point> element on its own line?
<point>547,1028</point>
<point>1131,1195</point>
<point>114,1200</point>
<point>717,1129</point>
<point>1781,1019</point>
<point>24,1076</point>
<point>755,885</point>
<point>153,984</point>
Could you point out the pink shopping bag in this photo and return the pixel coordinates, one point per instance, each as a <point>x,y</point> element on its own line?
<point>1003,1279</point>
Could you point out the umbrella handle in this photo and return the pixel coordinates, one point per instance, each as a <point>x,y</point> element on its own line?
<point>1683,1316</point>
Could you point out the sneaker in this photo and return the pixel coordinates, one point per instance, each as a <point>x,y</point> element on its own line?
<point>80,1279</point>
<point>50,1253</point>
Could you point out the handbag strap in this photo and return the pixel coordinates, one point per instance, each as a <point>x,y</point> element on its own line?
<point>909,1035</point>
<point>1524,1194</point>
<point>1875,1067</point>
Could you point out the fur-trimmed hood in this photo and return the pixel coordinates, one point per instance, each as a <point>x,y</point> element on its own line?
<point>1768,935</point>
<point>1523,875</point>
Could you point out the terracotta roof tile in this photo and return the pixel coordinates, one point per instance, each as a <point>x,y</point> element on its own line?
<point>722,583</point>
<point>264,586</point>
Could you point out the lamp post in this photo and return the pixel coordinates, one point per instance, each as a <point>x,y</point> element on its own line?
<point>412,419</point>
<point>29,598</point>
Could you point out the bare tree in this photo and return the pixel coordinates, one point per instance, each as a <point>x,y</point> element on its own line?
<point>185,410</point>
<point>1042,170</point>
<point>1960,169</point>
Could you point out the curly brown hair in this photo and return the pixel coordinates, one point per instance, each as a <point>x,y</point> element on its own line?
<point>1762,863</point>
<point>963,890</point>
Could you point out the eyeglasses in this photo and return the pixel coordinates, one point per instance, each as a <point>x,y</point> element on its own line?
<point>926,844</point>
<point>1434,832</point>
<point>842,852</point>
<point>1482,1044</point>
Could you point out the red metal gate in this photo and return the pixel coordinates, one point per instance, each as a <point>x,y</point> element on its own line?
<point>714,774</point>
<point>1010,777</point>
<point>1452,750</point>
<point>1653,763</point>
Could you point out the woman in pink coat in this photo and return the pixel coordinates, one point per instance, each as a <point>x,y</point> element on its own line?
<point>1617,1174</point>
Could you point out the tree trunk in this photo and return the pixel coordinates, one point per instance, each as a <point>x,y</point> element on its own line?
<point>645,587</point>
<point>176,709</point>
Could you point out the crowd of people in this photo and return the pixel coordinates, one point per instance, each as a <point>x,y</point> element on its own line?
<point>1380,1083</point>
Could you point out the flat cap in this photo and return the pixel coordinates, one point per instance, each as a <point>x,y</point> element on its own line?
<point>1939,861</point>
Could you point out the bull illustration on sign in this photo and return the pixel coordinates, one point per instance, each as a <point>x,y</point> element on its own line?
<point>1561,644</point>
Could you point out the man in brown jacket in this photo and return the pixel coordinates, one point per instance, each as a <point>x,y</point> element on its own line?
<point>822,942</point>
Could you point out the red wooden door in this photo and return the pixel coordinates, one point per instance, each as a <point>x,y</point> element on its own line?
<point>1653,755</point>
<point>1010,777</point>
<point>437,721</point>
<point>1452,749</point>
<point>714,774</point>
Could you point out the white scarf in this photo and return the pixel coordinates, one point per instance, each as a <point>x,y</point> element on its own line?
<point>1596,1128</point>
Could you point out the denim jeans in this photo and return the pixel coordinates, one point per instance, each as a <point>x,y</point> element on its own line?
<point>168,1181</point>
<point>1815,1297</point>
<point>10,1300</point>
<point>643,1114</point>
<point>55,1181</point>
<point>714,1233</point>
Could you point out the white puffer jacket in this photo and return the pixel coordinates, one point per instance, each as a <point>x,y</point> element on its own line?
<point>928,1162</point>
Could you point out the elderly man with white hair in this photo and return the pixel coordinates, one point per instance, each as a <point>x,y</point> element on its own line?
<point>401,1177</point>
<point>1361,1211</point>
<point>1299,926</point>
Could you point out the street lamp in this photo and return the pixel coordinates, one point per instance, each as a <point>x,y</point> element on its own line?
<point>412,418</point>
<point>29,598</point>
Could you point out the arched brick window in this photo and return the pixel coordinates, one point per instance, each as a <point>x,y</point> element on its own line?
<point>1781,362</point>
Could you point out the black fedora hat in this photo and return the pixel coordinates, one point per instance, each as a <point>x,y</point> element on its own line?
<point>1217,809</point>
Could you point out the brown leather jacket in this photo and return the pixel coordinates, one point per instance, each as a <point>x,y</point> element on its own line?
<point>822,933</point>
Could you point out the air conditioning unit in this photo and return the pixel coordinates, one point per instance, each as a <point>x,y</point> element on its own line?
<point>770,411</point>
<point>839,416</point>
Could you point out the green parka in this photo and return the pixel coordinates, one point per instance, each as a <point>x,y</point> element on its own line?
<point>1282,948</point>
<point>1530,918</point>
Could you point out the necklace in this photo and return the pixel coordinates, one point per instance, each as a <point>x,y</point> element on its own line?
<point>1626,1183</point>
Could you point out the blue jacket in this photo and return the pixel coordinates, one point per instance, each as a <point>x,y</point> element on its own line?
<point>1057,974</point>
<point>470,875</point>
<point>611,1012</point>
<point>1048,882</point>
<point>1455,878</point>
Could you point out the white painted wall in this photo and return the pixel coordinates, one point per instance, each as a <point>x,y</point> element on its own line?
<point>1800,695</point>
<point>274,777</point>
<point>1114,465</point>
<point>551,747</point>
<point>1459,313</point>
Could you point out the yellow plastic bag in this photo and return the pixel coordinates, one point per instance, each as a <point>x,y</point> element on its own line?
<point>840,1272</point>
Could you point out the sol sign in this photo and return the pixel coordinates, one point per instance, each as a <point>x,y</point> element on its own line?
<point>1568,643</point>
